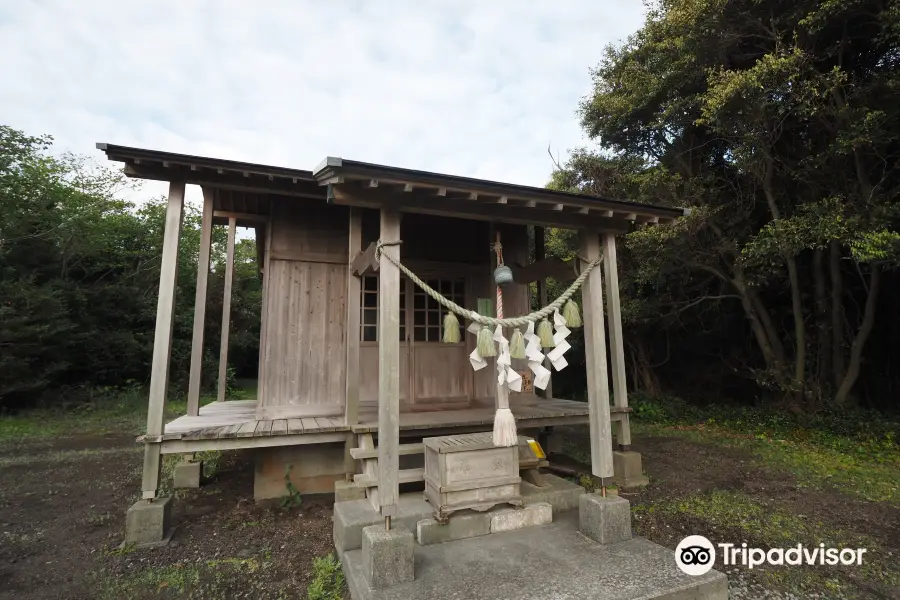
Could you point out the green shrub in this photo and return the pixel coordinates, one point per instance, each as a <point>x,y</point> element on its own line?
<point>328,579</point>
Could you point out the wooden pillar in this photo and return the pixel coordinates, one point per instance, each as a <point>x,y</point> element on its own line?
<point>193,402</point>
<point>226,310</point>
<point>389,366</point>
<point>616,341</point>
<point>264,315</point>
<point>351,410</point>
<point>595,359</point>
<point>540,253</point>
<point>162,340</point>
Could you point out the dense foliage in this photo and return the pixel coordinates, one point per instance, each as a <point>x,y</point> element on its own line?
<point>778,123</point>
<point>79,274</point>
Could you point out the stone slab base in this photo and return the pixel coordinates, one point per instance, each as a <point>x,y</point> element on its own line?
<point>344,491</point>
<point>387,556</point>
<point>559,493</point>
<point>351,517</point>
<point>148,524</point>
<point>552,561</point>
<point>628,470</point>
<point>605,520</point>
<point>187,475</point>
<point>468,524</point>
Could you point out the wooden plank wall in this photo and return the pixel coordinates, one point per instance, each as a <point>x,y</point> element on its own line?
<point>305,339</point>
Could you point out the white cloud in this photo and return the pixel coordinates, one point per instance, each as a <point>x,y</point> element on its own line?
<point>461,87</point>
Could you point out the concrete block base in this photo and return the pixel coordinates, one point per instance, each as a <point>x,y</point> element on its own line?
<point>344,491</point>
<point>187,475</point>
<point>351,517</point>
<point>387,556</point>
<point>605,520</point>
<point>315,469</point>
<point>553,561</point>
<point>149,523</point>
<point>627,470</point>
<point>460,526</point>
<point>511,519</point>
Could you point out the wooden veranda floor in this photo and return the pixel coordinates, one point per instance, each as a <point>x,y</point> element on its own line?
<point>233,424</point>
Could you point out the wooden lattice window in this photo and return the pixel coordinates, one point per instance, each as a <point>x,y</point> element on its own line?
<point>368,307</point>
<point>428,314</point>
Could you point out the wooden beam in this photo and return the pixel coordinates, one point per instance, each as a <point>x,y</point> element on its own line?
<point>162,339</point>
<point>226,310</point>
<point>389,367</point>
<point>241,216</point>
<point>616,340</point>
<point>492,212</point>
<point>351,410</point>
<point>193,402</point>
<point>231,181</point>
<point>560,270</point>
<point>595,360</point>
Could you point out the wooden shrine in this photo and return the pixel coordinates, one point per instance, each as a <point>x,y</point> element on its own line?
<point>353,371</point>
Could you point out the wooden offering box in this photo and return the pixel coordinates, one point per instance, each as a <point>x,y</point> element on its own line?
<point>468,471</point>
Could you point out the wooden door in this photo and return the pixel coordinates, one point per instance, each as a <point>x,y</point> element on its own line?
<point>441,376</point>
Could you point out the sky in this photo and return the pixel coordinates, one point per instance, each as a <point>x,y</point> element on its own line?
<point>472,88</point>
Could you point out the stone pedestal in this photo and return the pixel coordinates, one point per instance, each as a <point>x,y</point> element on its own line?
<point>387,556</point>
<point>149,523</point>
<point>188,474</point>
<point>627,470</point>
<point>604,520</point>
<point>344,491</point>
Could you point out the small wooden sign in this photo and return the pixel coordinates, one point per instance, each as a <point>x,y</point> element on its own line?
<point>527,381</point>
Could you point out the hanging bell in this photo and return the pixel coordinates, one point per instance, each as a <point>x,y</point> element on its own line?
<point>503,274</point>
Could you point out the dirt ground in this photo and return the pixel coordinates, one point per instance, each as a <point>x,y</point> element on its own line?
<point>63,503</point>
<point>62,516</point>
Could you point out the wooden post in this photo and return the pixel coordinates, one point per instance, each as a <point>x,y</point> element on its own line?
<point>351,410</point>
<point>193,402</point>
<point>226,310</point>
<point>264,317</point>
<point>616,341</point>
<point>595,359</point>
<point>389,367</point>
<point>162,339</point>
<point>540,253</point>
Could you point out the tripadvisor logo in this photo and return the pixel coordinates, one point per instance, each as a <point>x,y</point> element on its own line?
<point>696,555</point>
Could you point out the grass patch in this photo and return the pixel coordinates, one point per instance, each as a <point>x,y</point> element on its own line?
<point>874,477</point>
<point>328,579</point>
<point>215,578</point>
<point>736,518</point>
<point>122,413</point>
<point>856,451</point>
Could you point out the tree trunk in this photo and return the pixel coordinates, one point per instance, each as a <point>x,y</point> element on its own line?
<point>837,313</point>
<point>823,326</point>
<point>642,374</point>
<point>794,280</point>
<point>859,342</point>
<point>759,331</point>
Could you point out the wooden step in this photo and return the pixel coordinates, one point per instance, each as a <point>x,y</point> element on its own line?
<point>360,454</point>
<point>406,476</point>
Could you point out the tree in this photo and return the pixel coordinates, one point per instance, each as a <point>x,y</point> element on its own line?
<point>777,123</point>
